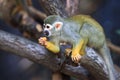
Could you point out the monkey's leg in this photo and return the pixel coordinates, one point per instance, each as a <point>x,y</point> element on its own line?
<point>77,50</point>
<point>82,50</point>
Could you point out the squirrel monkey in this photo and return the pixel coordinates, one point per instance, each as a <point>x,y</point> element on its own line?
<point>80,31</point>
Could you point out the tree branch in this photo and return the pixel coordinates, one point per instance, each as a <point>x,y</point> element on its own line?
<point>37,14</point>
<point>27,4</point>
<point>56,7</point>
<point>67,8</point>
<point>25,48</point>
<point>36,53</point>
<point>13,13</point>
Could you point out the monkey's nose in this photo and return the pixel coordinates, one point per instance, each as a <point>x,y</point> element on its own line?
<point>46,33</point>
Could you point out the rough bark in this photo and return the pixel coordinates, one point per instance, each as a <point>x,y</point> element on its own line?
<point>54,7</point>
<point>33,51</point>
<point>67,8</point>
<point>36,53</point>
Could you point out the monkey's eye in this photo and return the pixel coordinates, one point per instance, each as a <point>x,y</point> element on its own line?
<point>48,27</point>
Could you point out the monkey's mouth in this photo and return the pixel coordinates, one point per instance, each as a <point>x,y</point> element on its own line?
<point>47,33</point>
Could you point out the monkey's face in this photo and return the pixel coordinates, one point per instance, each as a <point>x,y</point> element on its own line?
<point>52,30</point>
<point>47,29</point>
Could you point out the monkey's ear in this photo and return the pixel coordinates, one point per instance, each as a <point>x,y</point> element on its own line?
<point>58,25</point>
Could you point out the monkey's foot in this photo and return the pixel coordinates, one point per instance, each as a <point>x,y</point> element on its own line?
<point>42,41</point>
<point>76,58</point>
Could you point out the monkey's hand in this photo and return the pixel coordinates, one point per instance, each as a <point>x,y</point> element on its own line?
<point>75,57</point>
<point>42,41</point>
<point>49,45</point>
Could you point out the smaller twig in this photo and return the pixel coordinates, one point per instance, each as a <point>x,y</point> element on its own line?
<point>27,4</point>
<point>113,47</point>
<point>27,25</point>
<point>14,14</point>
<point>37,14</point>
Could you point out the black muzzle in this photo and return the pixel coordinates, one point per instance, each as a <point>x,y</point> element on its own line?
<point>46,33</point>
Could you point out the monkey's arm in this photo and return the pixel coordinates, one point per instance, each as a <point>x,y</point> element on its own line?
<point>49,45</point>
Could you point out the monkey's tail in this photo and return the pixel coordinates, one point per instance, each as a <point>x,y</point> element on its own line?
<point>105,52</point>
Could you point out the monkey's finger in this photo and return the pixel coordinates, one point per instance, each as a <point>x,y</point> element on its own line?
<point>41,43</point>
<point>76,61</point>
<point>77,58</point>
<point>73,59</point>
<point>43,39</point>
<point>39,40</point>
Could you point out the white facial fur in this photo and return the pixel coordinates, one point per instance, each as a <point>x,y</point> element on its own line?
<point>48,27</point>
